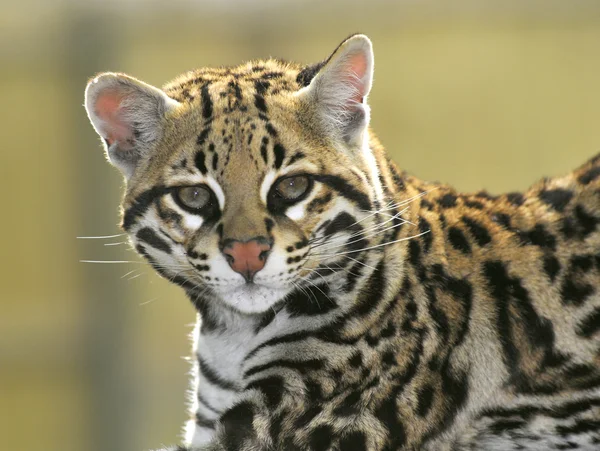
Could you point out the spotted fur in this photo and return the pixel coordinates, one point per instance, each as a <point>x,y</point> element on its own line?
<point>391,314</point>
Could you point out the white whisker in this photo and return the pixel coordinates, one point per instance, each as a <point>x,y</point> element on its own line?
<point>109,261</point>
<point>130,272</point>
<point>148,302</point>
<point>377,232</point>
<point>377,246</point>
<point>99,237</point>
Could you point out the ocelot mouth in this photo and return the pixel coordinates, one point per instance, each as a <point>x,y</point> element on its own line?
<point>253,298</point>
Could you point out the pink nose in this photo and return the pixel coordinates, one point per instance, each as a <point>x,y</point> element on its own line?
<point>247,258</point>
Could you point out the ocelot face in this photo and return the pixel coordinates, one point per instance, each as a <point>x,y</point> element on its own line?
<point>246,183</point>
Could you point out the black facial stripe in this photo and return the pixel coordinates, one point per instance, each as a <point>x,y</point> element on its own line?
<point>343,222</point>
<point>167,214</point>
<point>140,205</point>
<point>176,279</point>
<point>149,236</point>
<point>345,189</point>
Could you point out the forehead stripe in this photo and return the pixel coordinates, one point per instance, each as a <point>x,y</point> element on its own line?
<point>200,161</point>
<point>259,102</point>
<point>202,136</point>
<point>271,130</point>
<point>263,149</point>
<point>207,104</point>
<point>279,152</point>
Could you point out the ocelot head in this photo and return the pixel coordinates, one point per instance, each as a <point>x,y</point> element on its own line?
<point>246,184</point>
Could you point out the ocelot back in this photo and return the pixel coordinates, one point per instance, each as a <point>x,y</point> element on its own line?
<point>344,305</point>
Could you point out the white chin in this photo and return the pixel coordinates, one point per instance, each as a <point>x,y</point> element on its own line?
<point>253,298</point>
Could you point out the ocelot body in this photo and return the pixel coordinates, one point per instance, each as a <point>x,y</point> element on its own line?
<point>343,304</point>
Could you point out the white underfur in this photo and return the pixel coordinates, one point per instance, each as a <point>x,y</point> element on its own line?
<point>191,222</point>
<point>337,84</point>
<point>142,105</point>
<point>298,211</point>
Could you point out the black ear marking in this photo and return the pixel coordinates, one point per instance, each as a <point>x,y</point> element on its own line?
<point>306,75</point>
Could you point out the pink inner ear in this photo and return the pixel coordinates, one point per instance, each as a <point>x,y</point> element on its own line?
<point>357,64</point>
<point>107,108</point>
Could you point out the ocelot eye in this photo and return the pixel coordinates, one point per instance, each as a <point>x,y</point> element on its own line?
<point>195,198</point>
<point>293,188</point>
<point>288,191</point>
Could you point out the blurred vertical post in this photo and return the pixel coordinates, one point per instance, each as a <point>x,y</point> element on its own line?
<point>91,38</point>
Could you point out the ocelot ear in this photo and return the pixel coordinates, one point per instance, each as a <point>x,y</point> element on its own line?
<point>339,89</point>
<point>129,116</point>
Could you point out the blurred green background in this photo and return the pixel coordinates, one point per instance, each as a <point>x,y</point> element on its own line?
<point>481,94</point>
